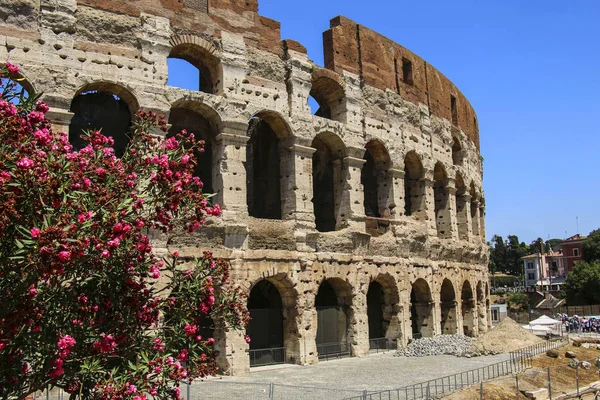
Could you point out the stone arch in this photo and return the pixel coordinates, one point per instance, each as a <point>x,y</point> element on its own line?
<point>265,157</point>
<point>449,319</point>
<point>414,188</point>
<point>272,328</point>
<point>457,151</point>
<point>328,91</point>
<point>462,210</point>
<point>377,183</point>
<point>104,106</point>
<point>201,54</point>
<point>328,187</point>
<point>421,309</point>
<point>21,80</point>
<point>333,303</point>
<point>468,309</point>
<point>382,301</point>
<point>204,122</point>
<point>441,201</point>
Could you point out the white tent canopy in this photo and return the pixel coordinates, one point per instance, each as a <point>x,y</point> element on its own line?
<point>544,320</point>
<point>537,328</point>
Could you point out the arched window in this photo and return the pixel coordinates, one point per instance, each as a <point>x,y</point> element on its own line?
<point>264,157</point>
<point>328,93</point>
<point>457,151</point>
<point>327,172</point>
<point>462,218</point>
<point>203,122</point>
<point>414,188</point>
<point>105,107</point>
<point>266,325</point>
<point>468,309</point>
<point>376,182</point>
<point>198,66</point>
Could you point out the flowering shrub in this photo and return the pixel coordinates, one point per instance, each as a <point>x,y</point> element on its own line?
<point>82,305</point>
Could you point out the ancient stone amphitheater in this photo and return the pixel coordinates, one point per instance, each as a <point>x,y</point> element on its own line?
<point>355,228</point>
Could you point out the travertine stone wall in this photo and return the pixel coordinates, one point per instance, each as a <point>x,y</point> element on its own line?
<point>375,95</point>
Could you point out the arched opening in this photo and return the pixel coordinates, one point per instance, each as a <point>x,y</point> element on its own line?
<point>457,151</point>
<point>333,304</point>
<point>266,325</point>
<point>449,322</point>
<point>468,309</point>
<point>263,163</point>
<point>375,310</point>
<point>197,68</point>
<point>462,219</point>
<point>20,87</point>
<point>328,95</point>
<point>105,107</point>
<point>203,122</point>
<point>414,189</point>
<point>442,205</point>
<point>376,182</point>
<point>474,211</point>
<point>328,178</point>
<point>421,310</point>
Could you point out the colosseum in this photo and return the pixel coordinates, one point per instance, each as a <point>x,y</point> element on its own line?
<point>358,227</point>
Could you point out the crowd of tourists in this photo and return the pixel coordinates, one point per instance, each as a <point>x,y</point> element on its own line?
<point>577,324</point>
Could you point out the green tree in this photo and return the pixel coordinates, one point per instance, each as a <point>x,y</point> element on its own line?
<point>515,251</point>
<point>550,243</point>
<point>518,300</point>
<point>591,247</point>
<point>582,286</point>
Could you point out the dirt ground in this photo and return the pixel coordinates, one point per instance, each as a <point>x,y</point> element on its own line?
<point>563,378</point>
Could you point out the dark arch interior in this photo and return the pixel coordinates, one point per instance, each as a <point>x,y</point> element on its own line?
<point>468,309</point>
<point>323,186</point>
<point>266,325</point>
<point>375,307</point>
<point>420,309</point>
<point>328,94</point>
<point>332,320</point>
<point>448,308</point>
<point>263,171</point>
<point>99,110</point>
<point>368,178</point>
<point>440,199</point>
<point>412,191</point>
<point>456,152</point>
<point>201,127</point>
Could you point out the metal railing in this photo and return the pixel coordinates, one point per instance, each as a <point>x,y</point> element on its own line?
<point>262,357</point>
<point>377,345</point>
<point>518,361</point>
<point>333,350</point>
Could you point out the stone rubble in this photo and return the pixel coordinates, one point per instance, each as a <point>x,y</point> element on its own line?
<point>458,345</point>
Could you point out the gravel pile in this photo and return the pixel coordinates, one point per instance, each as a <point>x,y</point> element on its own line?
<point>435,346</point>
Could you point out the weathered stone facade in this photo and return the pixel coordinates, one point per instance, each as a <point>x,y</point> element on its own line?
<point>383,184</point>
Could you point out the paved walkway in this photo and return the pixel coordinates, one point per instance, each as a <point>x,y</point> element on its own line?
<point>349,375</point>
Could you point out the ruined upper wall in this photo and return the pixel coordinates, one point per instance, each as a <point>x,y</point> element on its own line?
<point>351,47</point>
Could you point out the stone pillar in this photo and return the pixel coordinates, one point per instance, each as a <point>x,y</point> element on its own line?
<point>428,210</point>
<point>307,323</point>
<point>482,222</point>
<point>298,189</point>
<point>299,84</point>
<point>360,323</point>
<point>351,210</point>
<point>233,65</point>
<point>452,232</point>
<point>396,188</point>
<point>476,230</point>
<point>230,173</point>
<point>352,114</point>
<point>463,217</point>
<point>233,358</point>
<point>60,119</point>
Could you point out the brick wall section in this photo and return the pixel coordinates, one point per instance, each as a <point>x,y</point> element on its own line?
<point>360,50</point>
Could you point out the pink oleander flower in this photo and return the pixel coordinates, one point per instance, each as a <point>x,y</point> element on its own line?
<point>12,69</point>
<point>25,163</point>
<point>64,256</point>
<point>35,233</point>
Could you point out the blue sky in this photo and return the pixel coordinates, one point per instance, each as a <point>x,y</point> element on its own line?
<point>530,70</point>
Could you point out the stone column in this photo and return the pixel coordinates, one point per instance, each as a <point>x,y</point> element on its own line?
<point>396,188</point>
<point>428,206</point>
<point>230,172</point>
<point>482,222</point>
<point>298,189</point>
<point>476,230</point>
<point>452,232</point>
<point>360,324</point>
<point>464,218</point>
<point>60,119</point>
<point>299,83</point>
<point>233,65</point>
<point>233,358</point>
<point>351,196</point>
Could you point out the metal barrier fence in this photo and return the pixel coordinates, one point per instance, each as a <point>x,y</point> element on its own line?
<point>262,357</point>
<point>382,344</point>
<point>518,361</point>
<point>333,350</point>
